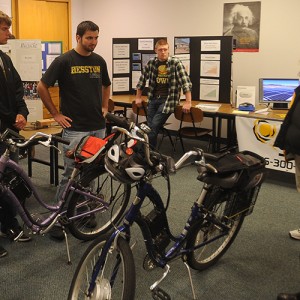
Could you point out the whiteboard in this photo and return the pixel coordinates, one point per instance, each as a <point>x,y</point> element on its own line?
<point>27,58</point>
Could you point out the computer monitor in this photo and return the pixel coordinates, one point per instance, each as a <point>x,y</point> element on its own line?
<point>278,91</point>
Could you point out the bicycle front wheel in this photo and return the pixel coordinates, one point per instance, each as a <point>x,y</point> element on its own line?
<point>116,280</point>
<point>223,206</point>
<point>102,217</point>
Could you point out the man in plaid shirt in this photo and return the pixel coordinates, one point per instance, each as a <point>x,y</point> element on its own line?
<point>167,76</point>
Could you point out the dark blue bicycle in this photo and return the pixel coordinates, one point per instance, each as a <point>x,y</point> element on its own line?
<point>231,185</point>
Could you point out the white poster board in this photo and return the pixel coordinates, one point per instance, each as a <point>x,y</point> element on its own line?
<point>27,58</point>
<point>258,135</point>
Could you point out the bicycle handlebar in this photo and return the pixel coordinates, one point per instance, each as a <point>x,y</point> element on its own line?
<point>59,139</point>
<point>120,122</point>
<point>132,131</point>
<point>9,136</point>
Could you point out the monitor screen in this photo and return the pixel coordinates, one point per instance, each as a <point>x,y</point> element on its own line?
<point>276,90</point>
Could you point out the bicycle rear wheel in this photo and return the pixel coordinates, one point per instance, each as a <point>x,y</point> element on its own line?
<point>102,217</point>
<point>116,280</point>
<point>223,206</point>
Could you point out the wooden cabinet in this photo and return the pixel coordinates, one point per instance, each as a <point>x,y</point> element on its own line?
<point>54,93</point>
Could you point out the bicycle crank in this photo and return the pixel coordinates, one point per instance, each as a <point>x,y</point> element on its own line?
<point>160,294</point>
<point>148,263</point>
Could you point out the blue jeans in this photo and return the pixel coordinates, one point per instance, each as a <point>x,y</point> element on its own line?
<point>156,118</point>
<point>74,137</point>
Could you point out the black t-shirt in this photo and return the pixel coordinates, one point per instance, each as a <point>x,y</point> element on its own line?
<point>162,80</point>
<point>80,80</point>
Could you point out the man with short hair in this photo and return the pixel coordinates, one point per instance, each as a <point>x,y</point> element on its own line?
<point>13,114</point>
<point>167,76</point>
<point>84,87</point>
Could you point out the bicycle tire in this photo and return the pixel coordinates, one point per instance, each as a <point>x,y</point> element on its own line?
<point>114,193</point>
<point>222,204</point>
<point>124,281</point>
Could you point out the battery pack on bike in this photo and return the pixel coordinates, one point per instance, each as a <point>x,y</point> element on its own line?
<point>238,175</point>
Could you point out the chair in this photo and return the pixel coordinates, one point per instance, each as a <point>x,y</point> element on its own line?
<point>111,108</point>
<point>111,105</point>
<point>194,117</point>
<point>142,112</point>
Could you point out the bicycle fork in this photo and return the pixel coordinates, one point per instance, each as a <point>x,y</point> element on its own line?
<point>101,262</point>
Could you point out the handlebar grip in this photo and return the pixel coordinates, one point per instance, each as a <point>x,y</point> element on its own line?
<point>12,133</point>
<point>120,122</point>
<point>215,157</point>
<point>60,139</point>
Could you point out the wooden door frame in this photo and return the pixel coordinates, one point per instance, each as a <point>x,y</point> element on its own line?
<point>14,12</point>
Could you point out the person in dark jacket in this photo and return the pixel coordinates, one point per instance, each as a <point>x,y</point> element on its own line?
<point>288,139</point>
<point>13,114</point>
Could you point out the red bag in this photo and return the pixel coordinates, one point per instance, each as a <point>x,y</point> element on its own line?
<point>88,147</point>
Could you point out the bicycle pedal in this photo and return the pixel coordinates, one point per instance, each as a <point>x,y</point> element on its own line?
<point>160,294</point>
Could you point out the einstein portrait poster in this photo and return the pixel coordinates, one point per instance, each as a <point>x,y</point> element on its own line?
<point>242,22</point>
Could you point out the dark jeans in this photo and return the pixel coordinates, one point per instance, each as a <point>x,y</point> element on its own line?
<point>156,119</point>
<point>7,210</point>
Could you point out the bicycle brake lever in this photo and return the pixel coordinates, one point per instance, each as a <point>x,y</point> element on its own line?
<point>47,144</point>
<point>55,148</point>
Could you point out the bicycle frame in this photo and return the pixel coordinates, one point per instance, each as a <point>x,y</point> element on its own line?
<point>43,226</point>
<point>176,250</point>
<point>231,183</point>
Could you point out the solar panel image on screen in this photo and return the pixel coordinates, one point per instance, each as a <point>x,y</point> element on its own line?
<point>274,90</point>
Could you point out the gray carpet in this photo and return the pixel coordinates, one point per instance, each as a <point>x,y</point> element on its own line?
<point>262,262</point>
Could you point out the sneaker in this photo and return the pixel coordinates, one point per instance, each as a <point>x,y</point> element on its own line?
<point>295,234</point>
<point>16,235</point>
<point>56,233</point>
<point>3,252</point>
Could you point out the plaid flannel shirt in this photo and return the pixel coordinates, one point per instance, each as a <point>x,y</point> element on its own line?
<point>177,76</point>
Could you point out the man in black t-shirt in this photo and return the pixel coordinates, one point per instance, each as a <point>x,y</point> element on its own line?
<point>84,87</point>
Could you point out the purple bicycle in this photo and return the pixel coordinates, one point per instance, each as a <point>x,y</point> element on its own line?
<point>91,202</point>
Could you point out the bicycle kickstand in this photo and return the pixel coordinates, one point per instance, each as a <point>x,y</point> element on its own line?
<point>67,246</point>
<point>191,280</point>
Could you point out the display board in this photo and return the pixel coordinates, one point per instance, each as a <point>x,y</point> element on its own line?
<point>129,57</point>
<point>208,61</point>
<point>27,57</point>
<point>50,50</point>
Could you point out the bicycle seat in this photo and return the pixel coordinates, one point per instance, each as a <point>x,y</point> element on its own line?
<point>226,182</point>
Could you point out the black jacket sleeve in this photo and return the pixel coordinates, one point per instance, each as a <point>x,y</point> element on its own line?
<point>280,141</point>
<point>21,107</point>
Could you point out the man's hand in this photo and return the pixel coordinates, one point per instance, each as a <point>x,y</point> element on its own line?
<point>20,122</point>
<point>187,106</point>
<point>138,102</point>
<point>62,120</point>
<point>104,111</point>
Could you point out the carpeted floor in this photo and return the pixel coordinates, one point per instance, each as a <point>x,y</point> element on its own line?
<point>262,262</point>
